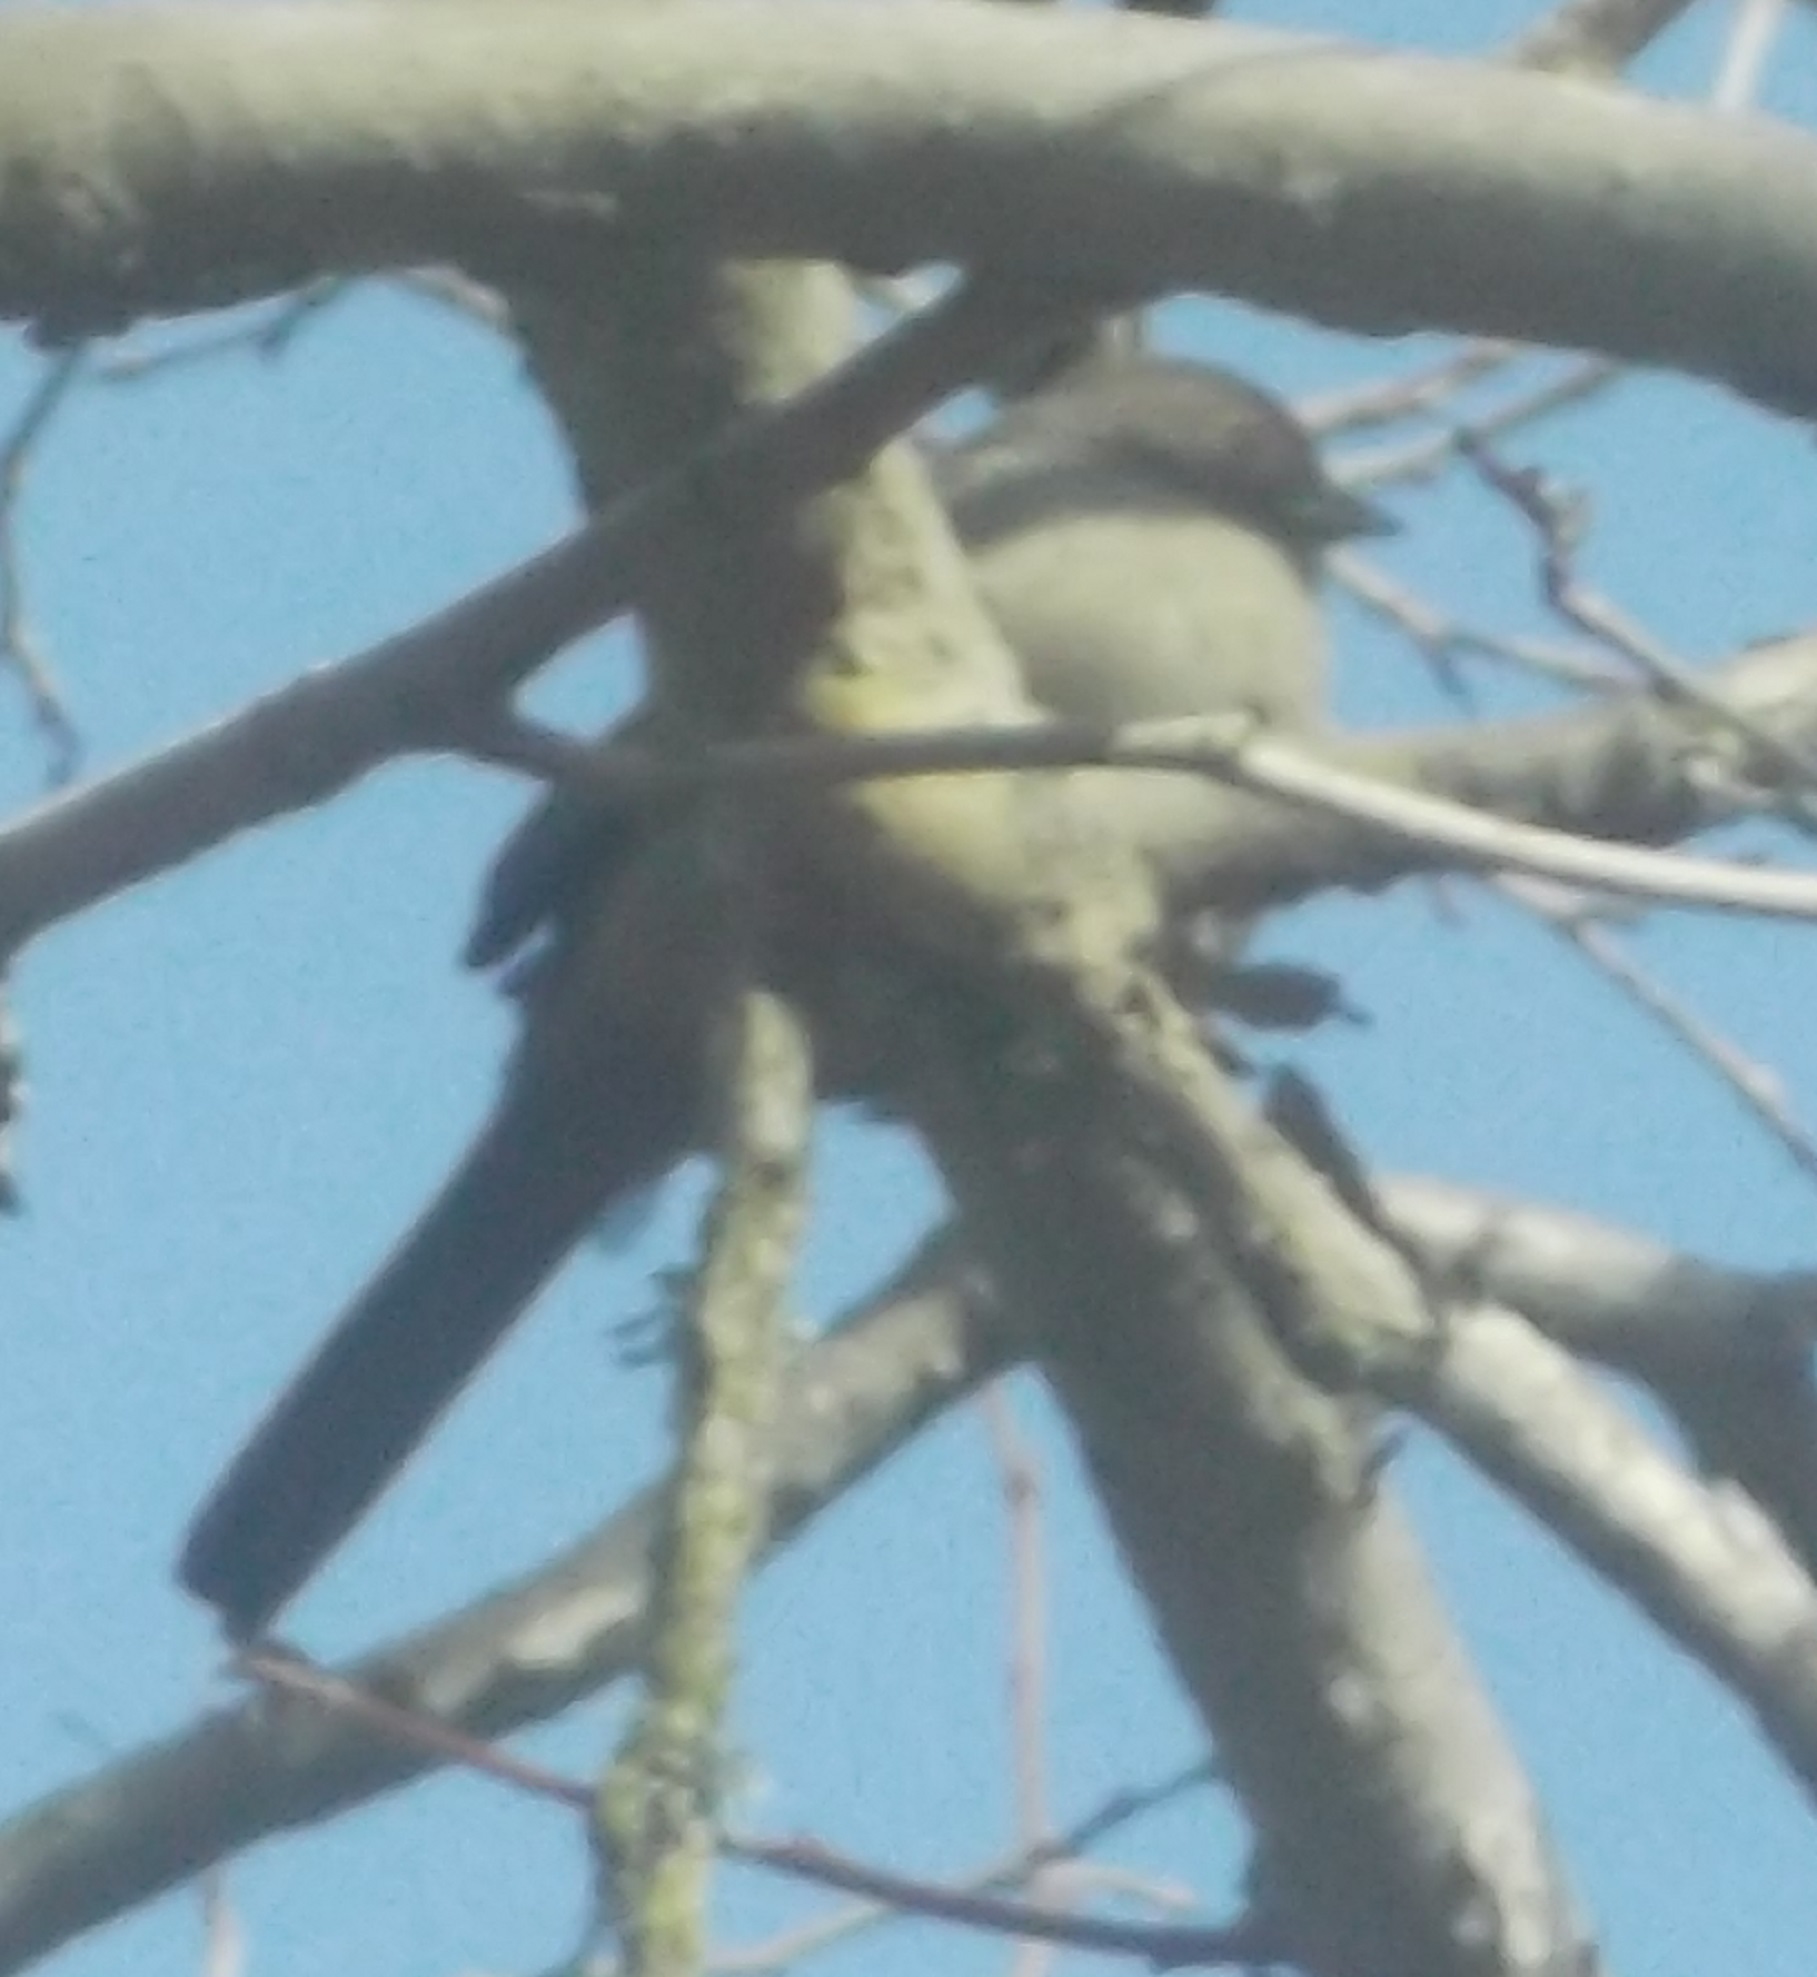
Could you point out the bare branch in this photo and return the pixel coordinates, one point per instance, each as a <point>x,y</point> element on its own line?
<point>1626,768</point>
<point>1624,1299</point>
<point>1443,640</point>
<point>1466,838</point>
<point>361,137</point>
<point>1386,401</point>
<point>1431,830</point>
<point>19,649</point>
<point>1425,458</point>
<point>1726,1353</point>
<point>980,1904</point>
<point>1595,37</point>
<point>824,1932</point>
<point>1247,1942</point>
<point>659,1805</point>
<point>1289,1594</point>
<point>1744,59</point>
<point>1703,1562</point>
<point>1580,921</point>
<point>1021,1482</point>
<point>1559,518</point>
<point>270,336</point>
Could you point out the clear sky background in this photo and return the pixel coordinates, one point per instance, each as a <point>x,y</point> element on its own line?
<point>247,1077</point>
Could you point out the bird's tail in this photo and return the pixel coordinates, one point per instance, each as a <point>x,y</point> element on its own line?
<point>545,1167</point>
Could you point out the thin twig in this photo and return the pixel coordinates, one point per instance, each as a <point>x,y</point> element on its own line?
<point>459,293</point>
<point>1021,1481</point>
<point>1577,920</point>
<point>223,1935</point>
<point>1229,748</point>
<point>1165,1947</point>
<point>1426,458</point>
<point>1386,401</point>
<point>270,334</point>
<point>1443,640</point>
<point>20,650</point>
<point>1557,519</point>
<point>1014,1870</point>
<point>289,1673</point>
<point>1744,58</point>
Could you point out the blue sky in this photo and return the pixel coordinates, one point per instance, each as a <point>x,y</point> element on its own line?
<point>247,1076</point>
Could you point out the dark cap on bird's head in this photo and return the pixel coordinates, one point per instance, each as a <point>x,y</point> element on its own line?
<point>1181,431</point>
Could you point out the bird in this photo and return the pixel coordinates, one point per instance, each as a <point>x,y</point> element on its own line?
<point>1147,533</point>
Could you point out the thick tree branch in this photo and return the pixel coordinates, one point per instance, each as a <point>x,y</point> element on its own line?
<point>1623,1299</point>
<point>181,159</point>
<point>1701,1560</point>
<point>1726,1353</point>
<point>1704,1564</point>
<point>1396,1830</point>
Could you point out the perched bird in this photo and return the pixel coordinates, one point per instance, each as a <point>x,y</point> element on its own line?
<point>1147,535</point>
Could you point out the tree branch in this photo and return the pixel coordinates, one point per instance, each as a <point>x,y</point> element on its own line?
<point>272,145</point>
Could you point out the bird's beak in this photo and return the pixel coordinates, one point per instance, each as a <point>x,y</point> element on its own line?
<point>1329,513</point>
